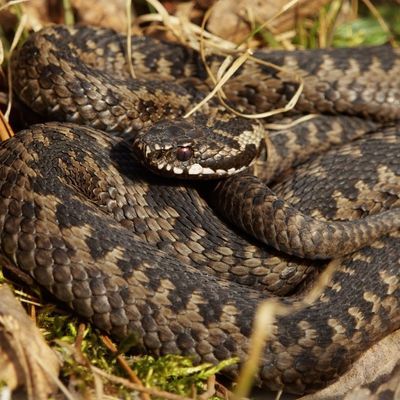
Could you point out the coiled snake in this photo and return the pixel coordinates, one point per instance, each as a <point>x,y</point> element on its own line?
<point>136,253</point>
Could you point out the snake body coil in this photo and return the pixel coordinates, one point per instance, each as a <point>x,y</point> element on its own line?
<point>136,253</point>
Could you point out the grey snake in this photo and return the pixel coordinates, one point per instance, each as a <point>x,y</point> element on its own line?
<point>136,253</point>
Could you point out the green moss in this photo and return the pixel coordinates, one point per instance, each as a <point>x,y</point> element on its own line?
<point>362,31</point>
<point>170,373</point>
<point>69,18</point>
<point>176,374</point>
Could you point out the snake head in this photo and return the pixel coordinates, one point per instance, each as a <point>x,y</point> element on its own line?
<point>194,149</point>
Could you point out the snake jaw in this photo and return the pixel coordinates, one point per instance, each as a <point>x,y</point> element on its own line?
<point>165,161</point>
<point>192,150</point>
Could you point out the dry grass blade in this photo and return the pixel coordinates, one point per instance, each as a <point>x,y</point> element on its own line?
<point>203,49</point>
<point>172,23</point>
<point>199,39</point>
<point>2,57</point>
<point>292,123</point>
<point>380,20</point>
<point>5,129</point>
<point>264,322</point>
<point>220,79</point>
<point>129,38</point>
<point>185,31</point>
<point>14,44</point>
<point>228,74</point>
<point>327,24</point>
<point>1,52</point>
<point>30,302</point>
<point>233,68</point>
<point>68,13</point>
<point>284,8</point>
<point>55,379</point>
<point>12,3</point>
<point>289,106</point>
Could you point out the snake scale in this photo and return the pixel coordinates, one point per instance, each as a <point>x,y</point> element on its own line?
<point>137,253</point>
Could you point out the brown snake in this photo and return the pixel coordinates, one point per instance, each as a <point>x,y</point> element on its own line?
<point>139,254</point>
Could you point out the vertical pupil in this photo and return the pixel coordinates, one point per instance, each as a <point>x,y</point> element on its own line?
<point>184,153</point>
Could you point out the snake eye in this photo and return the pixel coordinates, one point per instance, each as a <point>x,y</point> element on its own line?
<point>184,153</point>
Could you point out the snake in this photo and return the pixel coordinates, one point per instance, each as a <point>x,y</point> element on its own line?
<point>136,253</point>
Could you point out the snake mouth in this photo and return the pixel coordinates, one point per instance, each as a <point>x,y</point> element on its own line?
<point>194,171</point>
<point>175,162</point>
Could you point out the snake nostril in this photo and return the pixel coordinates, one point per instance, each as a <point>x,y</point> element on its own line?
<point>184,153</point>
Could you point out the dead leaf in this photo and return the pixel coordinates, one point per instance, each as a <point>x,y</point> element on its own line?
<point>23,352</point>
<point>380,364</point>
<point>232,19</point>
<point>38,13</point>
<point>105,13</point>
<point>384,387</point>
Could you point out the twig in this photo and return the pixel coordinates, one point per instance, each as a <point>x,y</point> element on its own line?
<point>79,356</point>
<point>210,389</point>
<point>32,313</point>
<point>122,362</point>
<point>223,391</point>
